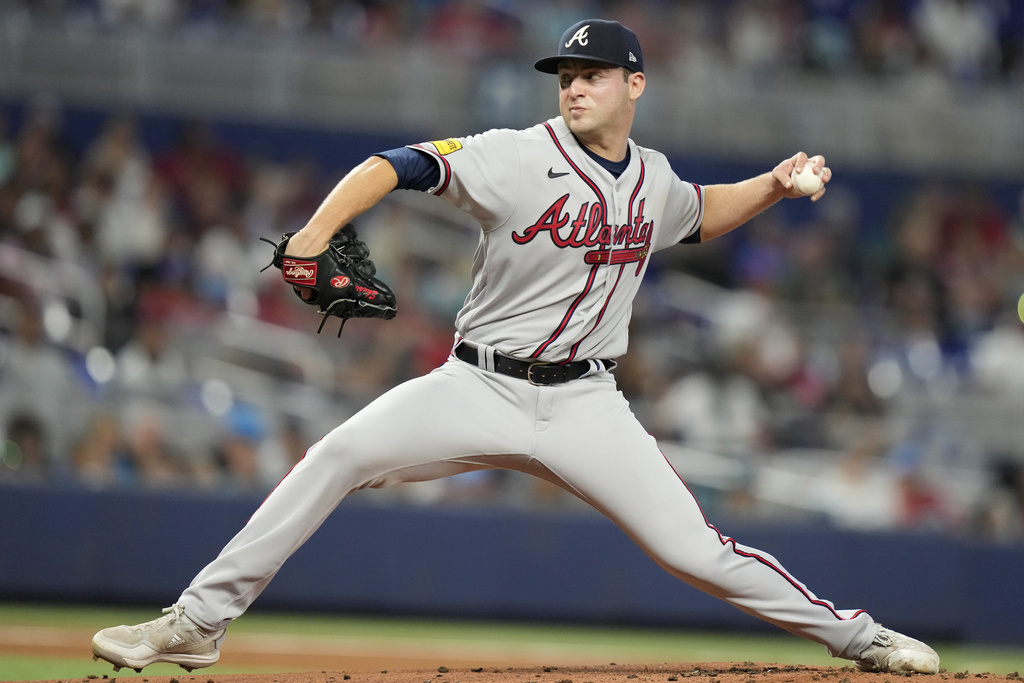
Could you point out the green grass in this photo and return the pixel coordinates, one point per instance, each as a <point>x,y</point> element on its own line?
<point>558,644</point>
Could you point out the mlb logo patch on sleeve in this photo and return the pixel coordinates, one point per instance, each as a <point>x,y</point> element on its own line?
<point>446,146</point>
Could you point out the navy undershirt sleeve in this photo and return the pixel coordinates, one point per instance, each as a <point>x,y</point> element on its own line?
<point>416,170</point>
<point>693,238</point>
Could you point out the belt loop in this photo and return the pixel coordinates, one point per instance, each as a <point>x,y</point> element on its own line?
<point>485,357</point>
<point>594,366</point>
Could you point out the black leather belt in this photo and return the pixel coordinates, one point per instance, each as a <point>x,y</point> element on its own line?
<point>532,372</point>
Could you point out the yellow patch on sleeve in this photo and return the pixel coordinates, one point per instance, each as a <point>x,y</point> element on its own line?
<point>446,146</point>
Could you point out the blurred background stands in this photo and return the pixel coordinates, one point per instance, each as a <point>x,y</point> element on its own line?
<point>867,345</point>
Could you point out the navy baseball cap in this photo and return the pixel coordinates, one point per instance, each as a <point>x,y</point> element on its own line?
<point>599,40</point>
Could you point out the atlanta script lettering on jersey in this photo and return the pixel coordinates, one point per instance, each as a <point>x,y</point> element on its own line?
<point>589,229</point>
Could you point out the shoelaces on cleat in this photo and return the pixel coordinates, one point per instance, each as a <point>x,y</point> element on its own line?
<point>170,614</point>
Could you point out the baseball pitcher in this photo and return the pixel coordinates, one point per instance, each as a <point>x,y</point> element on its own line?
<point>570,212</point>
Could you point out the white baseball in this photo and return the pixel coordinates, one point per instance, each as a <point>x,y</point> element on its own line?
<point>807,181</point>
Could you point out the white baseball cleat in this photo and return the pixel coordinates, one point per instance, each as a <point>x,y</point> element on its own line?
<point>892,652</point>
<point>173,638</point>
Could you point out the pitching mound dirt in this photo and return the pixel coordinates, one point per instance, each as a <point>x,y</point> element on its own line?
<point>707,673</point>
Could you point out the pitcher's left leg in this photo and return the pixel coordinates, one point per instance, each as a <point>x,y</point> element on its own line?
<point>598,450</point>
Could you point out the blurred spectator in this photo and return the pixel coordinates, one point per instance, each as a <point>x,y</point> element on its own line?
<point>922,505</point>
<point>153,462</point>
<point>717,408</point>
<point>205,176</point>
<point>241,467</point>
<point>762,36</point>
<point>281,450</point>
<point>472,30</point>
<point>915,292</point>
<point>1001,514</point>
<point>279,197</point>
<point>37,379</point>
<point>829,41</point>
<point>42,228</point>
<point>44,160</point>
<point>1010,260</point>
<point>997,359</point>
<point>975,246</point>
<point>238,457</point>
<point>817,274</point>
<point>825,262</point>
<point>149,364</point>
<point>34,211</point>
<point>960,37</point>
<point>760,260</point>
<point>363,22</point>
<point>227,266</point>
<point>859,492</point>
<point>7,152</point>
<point>23,450</point>
<point>886,44</point>
<point>120,198</point>
<point>852,407</point>
<point>151,14</point>
<point>98,455</point>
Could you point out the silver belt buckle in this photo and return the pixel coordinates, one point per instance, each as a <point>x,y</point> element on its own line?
<point>529,374</point>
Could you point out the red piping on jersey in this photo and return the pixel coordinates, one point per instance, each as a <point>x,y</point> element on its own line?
<point>599,257</point>
<point>568,315</point>
<point>726,540</point>
<point>593,271</point>
<point>447,169</point>
<point>600,316</point>
<point>622,257</point>
<point>629,214</point>
<point>296,464</point>
<point>700,204</point>
<point>579,171</point>
<point>636,191</point>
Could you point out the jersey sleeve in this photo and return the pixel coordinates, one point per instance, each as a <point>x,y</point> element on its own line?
<point>693,237</point>
<point>479,174</point>
<point>684,213</point>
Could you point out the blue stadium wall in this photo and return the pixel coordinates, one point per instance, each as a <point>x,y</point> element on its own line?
<point>144,548</point>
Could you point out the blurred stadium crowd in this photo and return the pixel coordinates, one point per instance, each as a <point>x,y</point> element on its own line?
<point>875,361</point>
<point>970,40</point>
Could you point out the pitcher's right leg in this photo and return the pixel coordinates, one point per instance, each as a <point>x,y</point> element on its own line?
<point>427,428</point>
<point>430,427</point>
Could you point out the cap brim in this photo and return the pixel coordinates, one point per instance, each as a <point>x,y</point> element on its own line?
<point>549,65</point>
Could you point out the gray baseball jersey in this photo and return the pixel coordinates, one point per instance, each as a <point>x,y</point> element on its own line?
<point>564,245</point>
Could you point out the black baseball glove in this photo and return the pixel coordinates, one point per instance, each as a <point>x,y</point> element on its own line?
<point>341,278</point>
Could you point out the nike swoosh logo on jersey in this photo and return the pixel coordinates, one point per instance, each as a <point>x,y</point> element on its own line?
<point>552,174</point>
